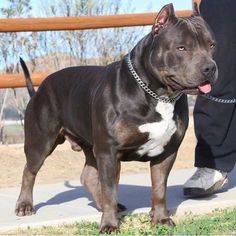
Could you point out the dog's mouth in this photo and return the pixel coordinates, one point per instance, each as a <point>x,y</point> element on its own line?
<point>204,87</point>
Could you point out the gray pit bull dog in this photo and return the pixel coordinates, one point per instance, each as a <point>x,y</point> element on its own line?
<point>132,109</point>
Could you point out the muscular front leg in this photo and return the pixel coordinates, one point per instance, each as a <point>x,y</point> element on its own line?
<point>108,170</point>
<point>159,173</point>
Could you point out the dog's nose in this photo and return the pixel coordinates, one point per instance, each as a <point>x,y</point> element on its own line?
<point>209,69</point>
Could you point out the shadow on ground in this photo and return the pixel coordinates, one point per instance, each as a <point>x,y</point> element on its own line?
<point>132,196</point>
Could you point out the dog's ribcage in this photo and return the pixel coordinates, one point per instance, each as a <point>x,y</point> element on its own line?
<point>159,132</point>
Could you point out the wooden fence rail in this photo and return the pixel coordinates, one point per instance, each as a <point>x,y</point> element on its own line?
<point>18,80</point>
<point>69,23</point>
<point>79,23</point>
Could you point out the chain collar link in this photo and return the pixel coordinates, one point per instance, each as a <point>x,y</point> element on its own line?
<point>148,90</point>
<point>219,100</point>
<point>173,98</point>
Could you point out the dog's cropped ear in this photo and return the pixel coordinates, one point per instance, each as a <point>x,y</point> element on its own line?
<point>196,11</point>
<point>165,15</point>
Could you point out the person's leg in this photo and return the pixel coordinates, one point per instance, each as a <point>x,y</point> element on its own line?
<point>215,123</point>
<point>215,153</point>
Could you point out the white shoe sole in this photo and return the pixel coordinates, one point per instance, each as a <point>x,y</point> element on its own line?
<point>200,192</point>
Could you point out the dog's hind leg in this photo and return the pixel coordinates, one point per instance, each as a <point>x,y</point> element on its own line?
<point>90,179</point>
<point>38,145</point>
<point>35,158</point>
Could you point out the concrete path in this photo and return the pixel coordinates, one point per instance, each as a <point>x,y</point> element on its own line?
<point>69,202</point>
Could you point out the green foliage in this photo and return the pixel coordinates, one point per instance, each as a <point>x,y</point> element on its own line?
<point>16,8</point>
<point>217,223</point>
<point>86,228</point>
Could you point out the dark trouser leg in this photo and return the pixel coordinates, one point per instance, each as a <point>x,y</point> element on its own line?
<point>215,126</point>
<point>215,122</point>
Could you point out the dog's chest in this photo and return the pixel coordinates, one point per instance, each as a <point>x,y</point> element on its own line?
<point>159,132</point>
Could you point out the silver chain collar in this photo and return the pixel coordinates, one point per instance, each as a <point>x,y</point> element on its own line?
<point>219,100</point>
<point>148,90</point>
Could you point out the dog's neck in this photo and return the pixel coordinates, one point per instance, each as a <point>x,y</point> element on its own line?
<point>139,58</point>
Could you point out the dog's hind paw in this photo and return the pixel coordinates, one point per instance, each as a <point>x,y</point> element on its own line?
<point>165,221</point>
<point>24,209</point>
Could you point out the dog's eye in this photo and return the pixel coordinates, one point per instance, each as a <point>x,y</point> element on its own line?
<point>212,45</point>
<point>181,48</point>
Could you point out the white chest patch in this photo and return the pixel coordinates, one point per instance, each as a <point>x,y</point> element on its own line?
<point>159,132</point>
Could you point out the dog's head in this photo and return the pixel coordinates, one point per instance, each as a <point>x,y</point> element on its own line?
<point>182,52</point>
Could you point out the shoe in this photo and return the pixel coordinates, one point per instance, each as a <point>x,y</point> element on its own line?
<point>205,181</point>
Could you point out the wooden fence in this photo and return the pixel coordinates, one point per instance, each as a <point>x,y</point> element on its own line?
<point>79,23</point>
<point>70,23</point>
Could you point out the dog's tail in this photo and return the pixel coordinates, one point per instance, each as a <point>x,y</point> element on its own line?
<point>28,80</point>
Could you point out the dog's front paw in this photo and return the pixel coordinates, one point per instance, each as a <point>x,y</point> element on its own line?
<point>24,209</point>
<point>164,221</point>
<point>109,223</point>
<point>107,229</point>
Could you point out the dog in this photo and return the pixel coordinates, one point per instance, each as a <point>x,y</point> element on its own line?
<point>132,109</point>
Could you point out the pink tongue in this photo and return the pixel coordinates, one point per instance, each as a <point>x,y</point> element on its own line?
<point>205,88</point>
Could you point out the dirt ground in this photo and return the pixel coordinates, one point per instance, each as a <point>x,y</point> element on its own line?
<point>65,164</point>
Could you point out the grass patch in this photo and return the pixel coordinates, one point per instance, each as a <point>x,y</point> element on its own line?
<point>217,223</point>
